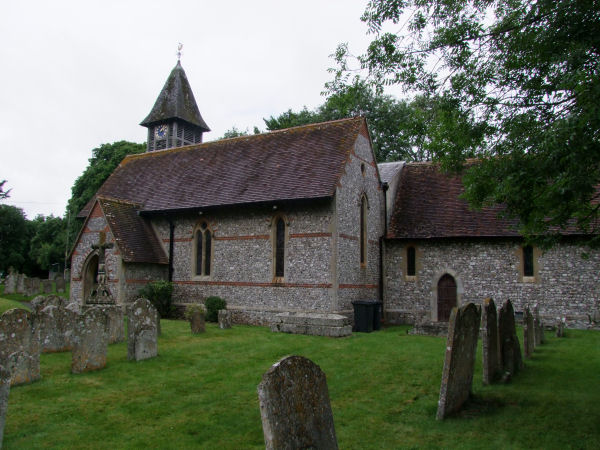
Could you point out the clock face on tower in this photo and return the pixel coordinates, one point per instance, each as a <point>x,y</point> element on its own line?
<point>161,131</point>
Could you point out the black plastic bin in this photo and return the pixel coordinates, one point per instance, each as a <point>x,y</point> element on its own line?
<point>367,316</point>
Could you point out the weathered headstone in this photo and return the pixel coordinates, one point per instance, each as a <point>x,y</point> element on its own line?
<point>90,341</point>
<point>294,406</point>
<point>142,330</point>
<point>46,286</point>
<point>528,333</point>
<point>10,285</point>
<point>41,301</point>
<point>60,284</point>
<point>538,326</point>
<point>20,283</point>
<point>560,328</point>
<point>459,363</point>
<point>20,346</point>
<point>197,322</point>
<point>115,322</point>
<point>490,345</point>
<point>510,349</point>
<point>224,319</point>
<point>4,392</point>
<point>57,327</point>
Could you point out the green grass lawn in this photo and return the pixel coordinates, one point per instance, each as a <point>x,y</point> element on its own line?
<point>201,393</point>
<point>6,304</point>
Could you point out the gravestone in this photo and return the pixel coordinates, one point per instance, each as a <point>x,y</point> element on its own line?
<point>41,301</point>
<point>20,284</point>
<point>20,346</point>
<point>224,319</point>
<point>528,333</point>
<point>115,323</point>
<point>4,392</point>
<point>57,327</point>
<point>294,406</point>
<point>490,345</point>
<point>510,349</point>
<point>197,322</point>
<point>46,286</point>
<point>538,326</point>
<point>90,341</point>
<point>459,363</point>
<point>142,330</point>
<point>10,285</point>
<point>560,328</point>
<point>60,284</point>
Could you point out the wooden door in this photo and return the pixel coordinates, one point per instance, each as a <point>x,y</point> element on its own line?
<point>446,293</point>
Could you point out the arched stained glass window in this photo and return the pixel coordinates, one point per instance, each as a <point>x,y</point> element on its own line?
<point>203,250</point>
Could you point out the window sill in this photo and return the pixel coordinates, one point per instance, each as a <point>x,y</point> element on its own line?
<point>410,278</point>
<point>528,280</point>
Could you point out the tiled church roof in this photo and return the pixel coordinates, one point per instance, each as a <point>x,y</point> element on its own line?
<point>427,205</point>
<point>294,164</point>
<point>133,234</point>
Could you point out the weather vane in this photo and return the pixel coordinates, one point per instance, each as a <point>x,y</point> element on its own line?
<point>179,47</point>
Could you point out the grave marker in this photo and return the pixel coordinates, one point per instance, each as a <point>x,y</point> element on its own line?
<point>90,341</point>
<point>20,346</point>
<point>294,406</point>
<point>490,345</point>
<point>510,350</point>
<point>4,392</point>
<point>142,330</point>
<point>57,327</point>
<point>459,363</point>
<point>224,319</point>
<point>528,333</point>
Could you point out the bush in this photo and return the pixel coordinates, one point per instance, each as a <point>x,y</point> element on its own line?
<point>160,294</point>
<point>213,305</point>
<point>190,310</point>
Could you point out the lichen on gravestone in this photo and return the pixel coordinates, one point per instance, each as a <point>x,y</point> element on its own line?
<point>90,342</point>
<point>510,349</point>
<point>142,330</point>
<point>20,346</point>
<point>4,393</point>
<point>295,407</point>
<point>490,344</point>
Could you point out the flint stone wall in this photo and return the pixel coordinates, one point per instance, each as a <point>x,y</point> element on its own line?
<point>459,362</point>
<point>4,393</point>
<point>566,285</point>
<point>90,342</point>
<point>142,330</point>
<point>20,346</point>
<point>294,406</point>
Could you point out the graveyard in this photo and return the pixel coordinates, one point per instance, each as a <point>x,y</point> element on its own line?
<point>201,392</point>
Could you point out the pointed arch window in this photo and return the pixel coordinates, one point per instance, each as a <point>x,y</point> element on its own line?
<point>279,247</point>
<point>203,250</point>
<point>528,269</point>
<point>363,230</point>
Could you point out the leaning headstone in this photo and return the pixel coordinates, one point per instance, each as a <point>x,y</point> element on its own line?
<point>10,286</point>
<point>46,286</point>
<point>224,319</point>
<point>510,349</point>
<point>4,392</point>
<point>90,341</point>
<point>294,406</point>
<point>459,363</point>
<point>490,346</point>
<point>142,330</point>
<point>20,346</point>
<point>20,283</point>
<point>60,284</point>
<point>57,327</point>
<point>528,333</point>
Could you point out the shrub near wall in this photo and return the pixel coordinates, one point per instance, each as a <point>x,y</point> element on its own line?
<point>160,294</point>
<point>213,305</point>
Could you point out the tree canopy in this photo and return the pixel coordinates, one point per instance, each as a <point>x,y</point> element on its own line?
<point>3,194</point>
<point>524,79</point>
<point>15,234</point>
<point>103,162</point>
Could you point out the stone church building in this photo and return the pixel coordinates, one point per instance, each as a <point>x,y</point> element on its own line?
<point>305,220</point>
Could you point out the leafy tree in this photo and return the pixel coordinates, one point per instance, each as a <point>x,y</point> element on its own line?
<point>48,242</point>
<point>15,234</point>
<point>234,132</point>
<point>389,119</point>
<point>525,78</point>
<point>3,195</point>
<point>103,162</point>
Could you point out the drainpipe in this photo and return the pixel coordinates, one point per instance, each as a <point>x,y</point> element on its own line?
<point>384,187</point>
<point>171,248</point>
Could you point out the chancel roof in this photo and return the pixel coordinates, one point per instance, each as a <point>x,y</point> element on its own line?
<point>428,205</point>
<point>176,101</point>
<point>301,163</point>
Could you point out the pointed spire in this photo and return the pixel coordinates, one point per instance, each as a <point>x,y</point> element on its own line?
<point>176,101</point>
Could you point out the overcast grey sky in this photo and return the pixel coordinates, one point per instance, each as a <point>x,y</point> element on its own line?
<point>77,74</point>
